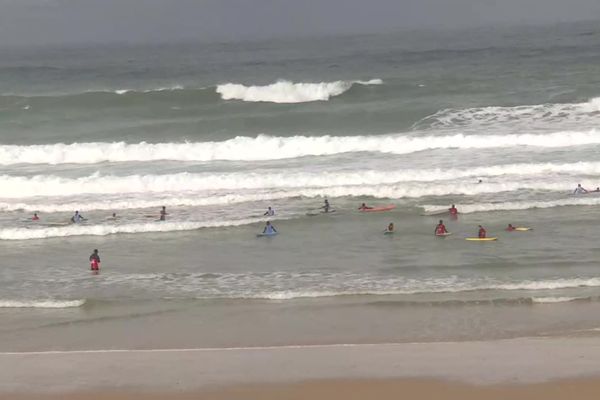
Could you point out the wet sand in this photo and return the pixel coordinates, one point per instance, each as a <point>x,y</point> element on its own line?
<point>359,390</point>
<point>527,367</point>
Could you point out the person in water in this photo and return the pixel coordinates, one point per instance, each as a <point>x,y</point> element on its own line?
<point>326,207</point>
<point>580,190</point>
<point>597,190</point>
<point>440,229</point>
<point>95,261</point>
<point>35,217</point>
<point>453,210</point>
<point>270,212</point>
<point>363,206</point>
<point>482,233</point>
<point>390,227</point>
<point>510,228</point>
<point>163,213</point>
<point>77,218</point>
<point>269,228</point>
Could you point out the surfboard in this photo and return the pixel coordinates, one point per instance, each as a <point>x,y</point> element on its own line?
<point>266,234</point>
<point>433,213</point>
<point>379,209</point>
<point>312,214</point>
<point>443,234</point>
<point>487,239</point>
<point>523,229</point>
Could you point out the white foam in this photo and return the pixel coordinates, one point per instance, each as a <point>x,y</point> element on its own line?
<point>265,147</point>
<point>288,92</point>
<point>582,200</point>
<point>529,115</point>
<point>550,284</point>
<point>48,185</point>
<point>41,303</point>
<point>551,300</point>
<point>103,230</point>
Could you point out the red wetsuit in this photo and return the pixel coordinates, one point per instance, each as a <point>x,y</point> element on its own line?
<point>441,229</point>
<point>482,233</point>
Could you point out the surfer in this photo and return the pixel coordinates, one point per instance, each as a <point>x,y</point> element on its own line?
<point>326,207</point>
<point>163,213</point>
<point>510,228</point>
<point>597,190</point>
<point>363,206</point>
<point>270,212</point>
<point>95,261</point>
<point>35,217</point>
<point>269,229</point>
<point>390,227</point>
<point>453,211</point>
<point>76,218</point>
<point>482,233</point>
<point>579,189</point>
<point>440,229</point>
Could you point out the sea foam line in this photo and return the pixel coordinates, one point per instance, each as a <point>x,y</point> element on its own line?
<point>49,185</point>
<point>264,147</point>
<point>4,303</point>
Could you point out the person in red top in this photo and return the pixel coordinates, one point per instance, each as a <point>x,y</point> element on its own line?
<point>453,210</point>
<point>482,232</point>
<point>95,261</point>
<point>35,217</point>
<point>440,229</point>
<point>510,228</point>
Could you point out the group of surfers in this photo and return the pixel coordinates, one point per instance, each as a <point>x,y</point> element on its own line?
<point>77,217</point>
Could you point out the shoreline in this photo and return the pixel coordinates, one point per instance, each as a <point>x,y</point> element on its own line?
<point>526,361</point>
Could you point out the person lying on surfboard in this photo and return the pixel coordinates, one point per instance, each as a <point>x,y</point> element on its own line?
<point>440,229</point>
<point>579,189</point>
<point>482,233</point>
<point>390,227</point>
<point>363,206</point>
<point>269,229</point>
<point>510,228</point>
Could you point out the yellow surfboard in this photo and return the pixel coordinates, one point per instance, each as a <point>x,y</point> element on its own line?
<point>487,239</point>
<point>522,229</point>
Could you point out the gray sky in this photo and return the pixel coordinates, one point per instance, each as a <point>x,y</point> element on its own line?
<point>79,21</point>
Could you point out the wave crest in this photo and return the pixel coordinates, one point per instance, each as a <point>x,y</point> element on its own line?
<point>288,92</point>
<point>264,147</point>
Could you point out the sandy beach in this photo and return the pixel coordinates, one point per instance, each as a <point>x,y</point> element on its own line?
<point>520,368</point>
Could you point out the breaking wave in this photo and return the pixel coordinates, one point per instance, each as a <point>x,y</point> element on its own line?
<point>289,92</point>
<point>263,147</point>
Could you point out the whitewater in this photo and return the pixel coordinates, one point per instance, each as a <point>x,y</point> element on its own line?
<point>218,133</point>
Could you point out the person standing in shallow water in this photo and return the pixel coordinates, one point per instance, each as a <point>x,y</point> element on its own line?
<point>95,261</point>
<point>163,213</point>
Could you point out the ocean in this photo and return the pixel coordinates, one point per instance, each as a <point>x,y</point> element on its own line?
<point>504,123</point>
